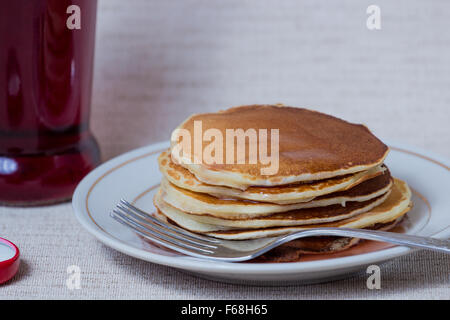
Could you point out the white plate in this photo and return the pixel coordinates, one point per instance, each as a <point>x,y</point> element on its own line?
<point>135,176</point>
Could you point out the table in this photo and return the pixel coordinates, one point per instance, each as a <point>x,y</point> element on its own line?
<point>159,61</point>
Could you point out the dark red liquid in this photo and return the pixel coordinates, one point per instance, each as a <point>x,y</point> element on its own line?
<point>46,147</point>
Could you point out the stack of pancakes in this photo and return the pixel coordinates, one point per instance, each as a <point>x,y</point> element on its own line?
<point>330,173</point>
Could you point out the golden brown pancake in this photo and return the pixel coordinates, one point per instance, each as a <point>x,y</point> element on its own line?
<point>398,202</point>
<point>232,209</point>
<point>286,194</point>
<point>293,251</point>
<point>293,218</point>
<point>312,146</point>
<point>395,206</point>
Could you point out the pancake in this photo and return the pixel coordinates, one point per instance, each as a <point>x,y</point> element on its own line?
<point>312,146</point>
<point>398,202</point>
<point>290,218</point>
<point>396,205</point>
<point>294,250</point>
<point>294,193</point>
<point>199,203</point>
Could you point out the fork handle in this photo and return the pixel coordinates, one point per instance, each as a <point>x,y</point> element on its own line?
<point>391,237</point>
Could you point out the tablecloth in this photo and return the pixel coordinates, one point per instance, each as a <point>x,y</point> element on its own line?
<point>159,61</point>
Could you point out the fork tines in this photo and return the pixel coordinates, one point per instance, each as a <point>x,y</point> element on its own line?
<point>155,230</point>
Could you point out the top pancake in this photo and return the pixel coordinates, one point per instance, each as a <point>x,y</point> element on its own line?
<point>312,146</point>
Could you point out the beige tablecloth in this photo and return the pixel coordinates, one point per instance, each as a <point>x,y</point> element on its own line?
<point>159,61</point>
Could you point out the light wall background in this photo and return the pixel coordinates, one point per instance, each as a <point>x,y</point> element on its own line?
<point>159,61</point>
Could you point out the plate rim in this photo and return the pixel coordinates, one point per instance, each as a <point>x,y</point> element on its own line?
<point>200,265</point>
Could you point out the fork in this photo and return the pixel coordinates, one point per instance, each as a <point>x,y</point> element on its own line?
<point>205,247</point>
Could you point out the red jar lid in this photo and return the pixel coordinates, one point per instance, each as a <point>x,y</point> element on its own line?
<point>9,260</point>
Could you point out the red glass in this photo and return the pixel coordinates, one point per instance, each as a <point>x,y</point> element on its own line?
<point>46,147</point>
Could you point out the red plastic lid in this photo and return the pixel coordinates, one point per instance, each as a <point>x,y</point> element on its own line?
<point>9,260</point>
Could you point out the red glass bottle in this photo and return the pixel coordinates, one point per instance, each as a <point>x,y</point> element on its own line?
<point>46,64</point>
